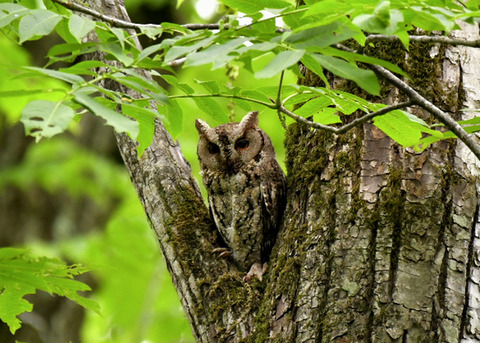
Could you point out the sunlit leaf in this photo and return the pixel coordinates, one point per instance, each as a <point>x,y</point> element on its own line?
<point>113,118</point>
<point>22,273</point>
<point>84,68</point>
<point>146,124</point>
<point>248,6</point>
<point>118,52</point>
<point>80,26</point>
<point>210,86</point>
<point>280,62</point>
<point>211,108</point>
<point>366,79</point>
<point>44,118</point>
<point>9,12</point>
<point>57,75</point>
<point>37,23</point>
<point>404,128</point>
<point>320,36</point>
<point>216,54</point>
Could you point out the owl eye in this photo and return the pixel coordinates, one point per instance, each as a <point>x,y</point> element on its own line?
<point>213,148</point>
<point>242,144</point>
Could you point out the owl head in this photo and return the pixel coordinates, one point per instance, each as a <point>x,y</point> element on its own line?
<point>230,146</point>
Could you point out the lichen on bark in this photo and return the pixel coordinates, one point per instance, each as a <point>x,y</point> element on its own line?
<point>380,238</point>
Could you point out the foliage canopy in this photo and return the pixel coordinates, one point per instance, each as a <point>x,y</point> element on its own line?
<point>310,34</point>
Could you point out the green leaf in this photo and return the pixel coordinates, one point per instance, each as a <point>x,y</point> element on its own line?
<point>80,26</point>
<point>181,50</point>
<point>24,92</point>
<point>365,79</point>
<point>117,51</point>
<point>22,273</point>
<point>12,304</point>
<point>84,68</point>
<point>148,51</point>
<point>174,118</point>
<point>172,80</point>
<point>320,36</point>
<point>383,20</point>
<point>68,52</point>
<point>9,12</point>
<point>349,56</point>
<point>152,32</point>
<point>118,121</point>
<point>325,7</point>
<point>44,118</point>
<point>248,6</point>
<point>314,106</point>
<point>174,28</point>
<point>212,108</point>
<point>404,128</point>
<point>210,86</point>
<point>216,54</point>
<point>73,79</point>
<point>37,23</point>
<point>146,124</point>
<point>281,62</point>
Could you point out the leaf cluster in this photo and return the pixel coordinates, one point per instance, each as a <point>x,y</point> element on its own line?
<point>284,33</point>
<point>22,273</point>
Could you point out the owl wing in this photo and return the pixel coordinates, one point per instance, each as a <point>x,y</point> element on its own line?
<point>273,190</point>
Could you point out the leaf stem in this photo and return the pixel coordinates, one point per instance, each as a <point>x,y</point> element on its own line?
<point>278,100</point>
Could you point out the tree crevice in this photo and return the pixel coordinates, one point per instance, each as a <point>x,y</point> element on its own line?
<point>464,321</point>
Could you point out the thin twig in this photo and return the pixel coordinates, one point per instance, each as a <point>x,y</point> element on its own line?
<point>228,96</point>
<point>427,39</point>
<point>281,108</point>
<point>349,126</point>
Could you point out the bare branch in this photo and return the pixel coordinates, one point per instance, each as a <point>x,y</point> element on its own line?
<point>349,126</point>
<point>125,24</point>
<point>419,100</point>
<point>177,63</point>
<point>427,39</point>
<point>441,116</point>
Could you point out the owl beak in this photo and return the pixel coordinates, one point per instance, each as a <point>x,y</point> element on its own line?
<point>231,166</point>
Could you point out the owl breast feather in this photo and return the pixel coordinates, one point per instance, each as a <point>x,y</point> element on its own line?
<point>234,204</point>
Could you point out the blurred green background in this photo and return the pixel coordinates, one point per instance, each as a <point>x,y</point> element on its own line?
<point>71,197</point>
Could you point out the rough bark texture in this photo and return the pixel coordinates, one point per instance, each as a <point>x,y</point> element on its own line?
<point>379,245</point>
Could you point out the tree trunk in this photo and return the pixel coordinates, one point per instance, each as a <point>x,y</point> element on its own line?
<point>379,242</point>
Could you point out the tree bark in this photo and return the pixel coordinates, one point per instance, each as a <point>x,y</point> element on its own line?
<point>379,243</point>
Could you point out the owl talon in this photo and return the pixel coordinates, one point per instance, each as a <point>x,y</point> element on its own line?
<point>222,252</point>
<point>225,254</point>
<point>257,269</point>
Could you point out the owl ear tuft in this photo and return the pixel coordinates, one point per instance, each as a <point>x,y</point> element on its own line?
<point>250,121</point>
<point>202,127</point>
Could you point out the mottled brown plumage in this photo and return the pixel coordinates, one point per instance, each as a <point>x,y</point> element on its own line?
<point>246,187</point>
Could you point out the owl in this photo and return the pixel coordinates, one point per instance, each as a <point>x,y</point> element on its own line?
<point>246,188</point>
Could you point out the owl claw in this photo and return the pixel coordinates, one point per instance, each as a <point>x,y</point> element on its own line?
<point>222,252</point>
<point>257,269</point>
